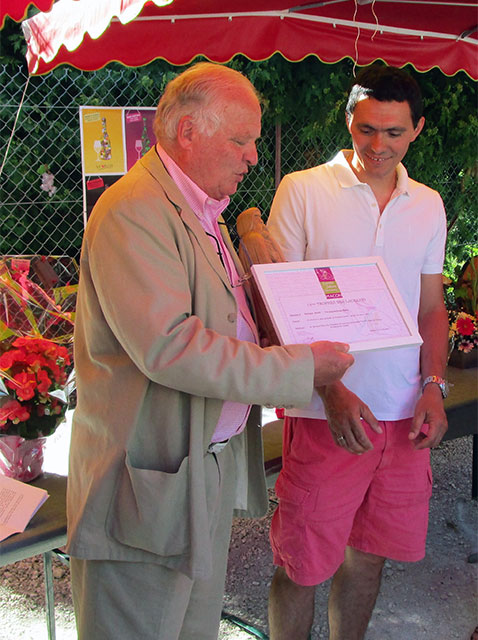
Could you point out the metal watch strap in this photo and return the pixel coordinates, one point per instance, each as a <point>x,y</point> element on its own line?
<point>439,381</point>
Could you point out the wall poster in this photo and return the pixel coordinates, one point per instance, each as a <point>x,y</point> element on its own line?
<point>112,140</point>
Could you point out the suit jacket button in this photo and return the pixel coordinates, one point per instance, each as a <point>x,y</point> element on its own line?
<point>231,317</point>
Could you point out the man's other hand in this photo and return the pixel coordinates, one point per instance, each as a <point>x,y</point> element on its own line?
<point>331,361</point>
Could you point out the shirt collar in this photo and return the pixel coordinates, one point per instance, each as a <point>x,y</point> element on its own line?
<point>402,180</point>
<point>203,205</point>
<point>347,178</point>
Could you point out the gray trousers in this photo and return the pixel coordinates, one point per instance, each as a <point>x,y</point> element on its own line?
<point>145,601</point>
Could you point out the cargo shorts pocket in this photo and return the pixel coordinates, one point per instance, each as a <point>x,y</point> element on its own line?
<point>288,491</point>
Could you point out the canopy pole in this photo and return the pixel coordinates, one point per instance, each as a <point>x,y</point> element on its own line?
<point>278,150</point>
<point>14,126</point>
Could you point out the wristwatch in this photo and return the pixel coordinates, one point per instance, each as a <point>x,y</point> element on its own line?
<point>443,384</point>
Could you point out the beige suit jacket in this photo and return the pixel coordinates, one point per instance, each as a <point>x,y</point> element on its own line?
<point>155,357</point>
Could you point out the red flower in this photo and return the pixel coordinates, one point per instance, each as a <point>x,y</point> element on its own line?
<point>9,358</point>
<point>13,411</point>
<point>24,385</point>
<point>44,382</point>
<point>56,409</point>
<point>466,347</point>
<point>28,343</point>
<point>35,361</point>
<point>465,326</point>
<point>63,354</point>
<point>31,368</point>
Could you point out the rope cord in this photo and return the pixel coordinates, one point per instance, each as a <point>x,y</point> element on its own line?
<point>14,126</point>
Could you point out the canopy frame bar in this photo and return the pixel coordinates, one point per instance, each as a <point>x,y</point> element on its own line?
<point>283,15</point>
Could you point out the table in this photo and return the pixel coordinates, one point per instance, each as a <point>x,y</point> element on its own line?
<point>462,412</point>
<point>45,532</point>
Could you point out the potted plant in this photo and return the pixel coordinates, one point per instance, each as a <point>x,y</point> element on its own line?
<point>33,383</point>
<point>463,335</point>
<point>36,374</point>
<point>463,316</point>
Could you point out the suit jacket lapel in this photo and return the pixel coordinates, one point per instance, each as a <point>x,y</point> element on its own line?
<point>152,163</point>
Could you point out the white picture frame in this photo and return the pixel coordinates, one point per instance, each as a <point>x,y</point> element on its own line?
<point>346,300</point>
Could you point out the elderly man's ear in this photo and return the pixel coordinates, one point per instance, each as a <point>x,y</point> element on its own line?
<point>185,132</point>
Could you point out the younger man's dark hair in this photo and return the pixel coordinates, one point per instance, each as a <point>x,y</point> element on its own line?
<point>386,84</point>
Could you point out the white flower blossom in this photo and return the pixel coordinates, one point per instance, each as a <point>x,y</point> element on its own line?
<point>47,180</point>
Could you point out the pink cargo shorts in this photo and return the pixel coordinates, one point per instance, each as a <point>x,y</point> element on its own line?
<point>329,498</point>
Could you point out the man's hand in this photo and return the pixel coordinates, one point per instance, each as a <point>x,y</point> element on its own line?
<point>433,327</point>
<point>345,411</point>
<point>429,410</point>
<point>331,361</point>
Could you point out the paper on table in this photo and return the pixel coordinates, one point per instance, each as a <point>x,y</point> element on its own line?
<point>353,301</point>
<point>18,504</point>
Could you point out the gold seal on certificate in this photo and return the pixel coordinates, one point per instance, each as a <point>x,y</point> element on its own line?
<point>348,300</point>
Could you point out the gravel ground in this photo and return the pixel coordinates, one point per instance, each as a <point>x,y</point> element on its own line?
<point>435,599</point>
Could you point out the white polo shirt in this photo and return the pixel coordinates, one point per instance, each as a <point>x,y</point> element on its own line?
<point>326,213</point>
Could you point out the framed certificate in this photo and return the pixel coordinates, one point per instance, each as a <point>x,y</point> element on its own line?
<point>348,300</point>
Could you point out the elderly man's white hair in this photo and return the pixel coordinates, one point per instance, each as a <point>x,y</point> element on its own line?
<point>200,92</point>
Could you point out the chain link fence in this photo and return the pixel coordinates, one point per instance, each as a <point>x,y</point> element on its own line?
<point>47,133</point>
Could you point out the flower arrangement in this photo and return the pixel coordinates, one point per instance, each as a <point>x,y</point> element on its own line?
<point>37,304</point>
<point>38,297</point>
<point>463,330</point>
<point>33,375</point>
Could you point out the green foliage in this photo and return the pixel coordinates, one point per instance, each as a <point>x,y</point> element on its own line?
<point>307,99</point>
<point>12,43</point>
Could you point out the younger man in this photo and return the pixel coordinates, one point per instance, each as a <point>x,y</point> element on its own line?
<point>356,481</point>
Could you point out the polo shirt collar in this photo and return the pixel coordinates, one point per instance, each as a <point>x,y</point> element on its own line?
<point>347,178</point>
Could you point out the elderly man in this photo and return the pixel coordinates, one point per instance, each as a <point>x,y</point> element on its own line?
<point>167,366</point>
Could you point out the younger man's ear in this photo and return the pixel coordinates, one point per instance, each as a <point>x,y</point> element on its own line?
<point>418,128</point>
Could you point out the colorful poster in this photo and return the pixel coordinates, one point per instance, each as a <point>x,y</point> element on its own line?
<point>112,140</point>
<point>102,140</point>
<point>139,136</point>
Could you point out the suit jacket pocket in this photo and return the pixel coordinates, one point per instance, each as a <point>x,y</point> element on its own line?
<point>150,509</point>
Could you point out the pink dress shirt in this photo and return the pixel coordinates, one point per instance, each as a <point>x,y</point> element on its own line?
<point>234,414</point>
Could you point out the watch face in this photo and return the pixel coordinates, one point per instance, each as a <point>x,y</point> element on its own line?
<point>443,388</point>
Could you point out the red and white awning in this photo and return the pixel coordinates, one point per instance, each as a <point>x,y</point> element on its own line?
<point>88,34</point>
<point>17,9</point>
